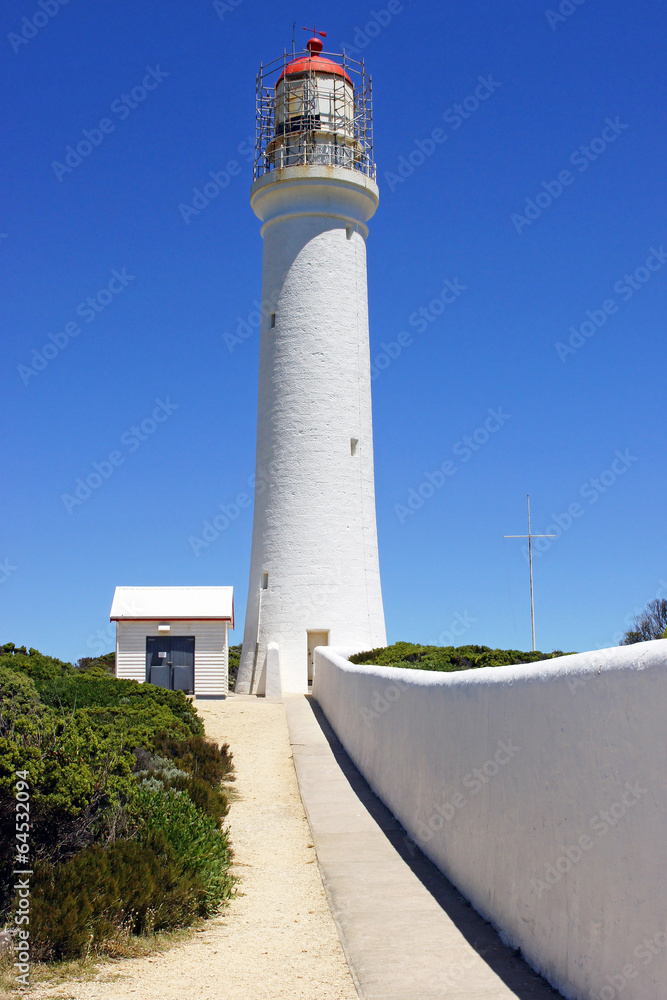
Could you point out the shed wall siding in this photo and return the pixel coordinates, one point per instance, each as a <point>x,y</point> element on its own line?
<point>211,659</point>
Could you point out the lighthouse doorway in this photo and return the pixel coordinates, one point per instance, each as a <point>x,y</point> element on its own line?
<point>320,638</point>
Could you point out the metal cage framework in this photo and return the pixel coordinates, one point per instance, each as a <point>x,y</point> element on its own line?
<point>349,143</point>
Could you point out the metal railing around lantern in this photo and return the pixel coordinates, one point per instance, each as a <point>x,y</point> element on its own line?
<point>346,139</point>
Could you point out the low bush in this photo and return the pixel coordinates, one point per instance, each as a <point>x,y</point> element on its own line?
<point>198,843</point>
<point>18,699</point>
<point>99,894</point>
<point>106,662</point>
<point>446,658</point>
<point>194,766</point>
<point>234,661</point>
<point>126,803</point>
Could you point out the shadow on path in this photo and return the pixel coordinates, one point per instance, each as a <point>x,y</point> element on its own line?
<point>510,968</point>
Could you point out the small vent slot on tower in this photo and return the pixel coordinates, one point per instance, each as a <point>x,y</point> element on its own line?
<point>354,445</point>
<point>265,581</point>
<point>348,232</point>
<point>272,321</point>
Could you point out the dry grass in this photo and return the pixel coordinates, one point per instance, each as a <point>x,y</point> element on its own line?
<point>92,965</point>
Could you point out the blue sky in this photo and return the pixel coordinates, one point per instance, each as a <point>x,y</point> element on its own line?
<point>539,197</point>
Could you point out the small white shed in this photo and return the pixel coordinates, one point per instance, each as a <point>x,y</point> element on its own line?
<point>174,637</point>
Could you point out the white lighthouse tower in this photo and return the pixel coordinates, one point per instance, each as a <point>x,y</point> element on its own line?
<point>314,573</point>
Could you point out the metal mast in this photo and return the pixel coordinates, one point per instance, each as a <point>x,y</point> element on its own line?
<point>530,537</point>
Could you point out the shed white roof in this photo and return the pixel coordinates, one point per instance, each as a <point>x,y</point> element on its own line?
<point>190,603</point>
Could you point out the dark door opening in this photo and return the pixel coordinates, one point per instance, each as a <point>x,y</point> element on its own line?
<point>170,662</point>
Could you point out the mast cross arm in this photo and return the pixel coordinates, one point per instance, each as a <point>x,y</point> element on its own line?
<point>530,536</point>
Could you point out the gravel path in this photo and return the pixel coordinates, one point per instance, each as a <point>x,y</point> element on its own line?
<point>278,939</point>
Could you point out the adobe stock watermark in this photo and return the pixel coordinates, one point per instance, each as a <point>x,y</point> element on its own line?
<point>381,701</point>
<point>456,972</point>
<point>463,449</point>
<point>458,626</point>
<point>644,953</point>
<point>566,8</point>
<point>601,823</point>
<point>31,26</point>
<point>219,180</point>
<point>98,642</point>
<point>214,526</point>
<point>419,320</point>
<point>329,583</point>
<point>473,783</point>
<point>122,107</point>
<point>591,490</point>
<point>225,7</point>
<point>245,326</point>
<point>377,21</point>
<point>454,116</point>
<point>22,870</point>
<point>7,569</point>
<point>88,310</point>
<point>581,158</point>
<point>131,440</point>
<point>625,287</point>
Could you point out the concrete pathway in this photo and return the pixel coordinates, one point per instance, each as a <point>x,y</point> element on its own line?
<point>406,932</point>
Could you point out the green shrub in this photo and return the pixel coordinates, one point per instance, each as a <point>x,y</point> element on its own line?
<point>207,764</point>
<point>100,893</point>
<point>202,758</point>
<point>201,848</point>
<point>160,772</point>
<point>96,690</point>
<point>18,699</point>
<point>446,658</point>
<point>107,662</point>
<point>32,662</point>
<point>234,661</point>
<point>77,779</point>
<point>62,686</point>
<point>126,802</point>
<point>213,802</point>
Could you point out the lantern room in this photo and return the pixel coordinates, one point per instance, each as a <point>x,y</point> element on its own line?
<point>313,109</point>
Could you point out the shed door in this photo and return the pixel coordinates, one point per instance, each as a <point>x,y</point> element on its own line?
<point>183,663</point>
<point>158,655</point>
<point>170,662</point>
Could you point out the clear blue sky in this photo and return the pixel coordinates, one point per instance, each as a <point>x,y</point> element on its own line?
<point>460,214</point>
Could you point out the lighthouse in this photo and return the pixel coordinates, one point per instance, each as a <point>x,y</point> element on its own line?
<point>314,570</point>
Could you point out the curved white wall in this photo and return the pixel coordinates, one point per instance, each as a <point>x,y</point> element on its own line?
<point>314,529</point>
<point>540,790</point>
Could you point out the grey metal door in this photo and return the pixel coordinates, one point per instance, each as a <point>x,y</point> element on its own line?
<point>170,662</point>
<point>183,664</point>
<point>158,655</point>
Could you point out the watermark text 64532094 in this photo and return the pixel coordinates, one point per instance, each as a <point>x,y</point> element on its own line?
<point>22,870</point>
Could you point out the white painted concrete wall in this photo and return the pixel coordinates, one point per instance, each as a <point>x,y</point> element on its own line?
<point>270,682</point>
<point>211,652</point>
<point>540,790</point>
<point>314,529</point>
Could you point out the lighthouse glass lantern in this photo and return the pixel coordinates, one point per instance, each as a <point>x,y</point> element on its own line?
<point>314,569</point>
<point>314,109</point>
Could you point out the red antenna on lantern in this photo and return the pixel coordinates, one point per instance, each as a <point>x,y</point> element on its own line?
<point>314,45</point>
